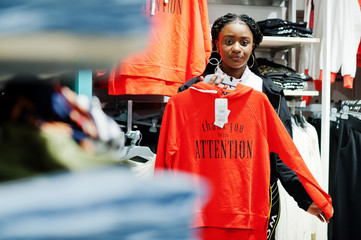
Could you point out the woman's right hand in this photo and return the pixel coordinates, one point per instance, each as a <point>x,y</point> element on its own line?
<point>216,82</point>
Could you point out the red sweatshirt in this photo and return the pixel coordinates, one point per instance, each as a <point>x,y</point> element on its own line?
<point>235,158</point>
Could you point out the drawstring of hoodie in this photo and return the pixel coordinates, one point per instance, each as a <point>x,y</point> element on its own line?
<point>152,10</point>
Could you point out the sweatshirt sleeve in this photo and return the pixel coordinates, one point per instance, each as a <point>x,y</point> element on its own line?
<point>293,185</point>
<point>281,143</point>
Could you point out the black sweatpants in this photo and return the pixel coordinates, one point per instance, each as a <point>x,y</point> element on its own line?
<point>345,179</point>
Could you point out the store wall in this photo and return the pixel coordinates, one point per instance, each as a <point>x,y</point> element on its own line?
<point>258,13</point>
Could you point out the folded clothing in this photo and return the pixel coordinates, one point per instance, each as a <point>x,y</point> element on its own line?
<point>289,81</point>
<point>279,27</point>
<point>265,66</point>
<point>104,203</point>
<point>277,22</point>
<point>285,77</point>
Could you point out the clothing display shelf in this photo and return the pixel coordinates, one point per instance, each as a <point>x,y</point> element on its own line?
<point>47,37</point>
<point>276,44</point>
<point>300,93</point>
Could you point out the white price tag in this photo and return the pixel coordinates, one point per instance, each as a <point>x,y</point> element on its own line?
<point>221,112</point>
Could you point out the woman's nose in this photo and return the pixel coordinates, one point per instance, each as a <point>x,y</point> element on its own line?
<point>236,47</point>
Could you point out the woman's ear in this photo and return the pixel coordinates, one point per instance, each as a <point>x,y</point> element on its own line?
<point>216,45</point>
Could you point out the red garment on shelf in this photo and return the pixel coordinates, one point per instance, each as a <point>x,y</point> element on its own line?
<point>178,49</point>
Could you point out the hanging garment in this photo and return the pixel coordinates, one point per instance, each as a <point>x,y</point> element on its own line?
<point>178,49</point>
<point>296,223</point>
<point>306,50</point>
<point>345,180</point>
<point>230,146</point>
<point>142,169</point>
<point>345,39</point>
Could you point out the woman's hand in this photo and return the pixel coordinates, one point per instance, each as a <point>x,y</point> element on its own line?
<point>215,81</point>
<point>314,210</point>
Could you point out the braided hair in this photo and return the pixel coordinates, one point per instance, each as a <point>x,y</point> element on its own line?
<point>229,18</point>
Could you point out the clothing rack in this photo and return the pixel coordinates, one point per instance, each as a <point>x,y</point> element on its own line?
<point>345,111</point>
<point>353,105</point>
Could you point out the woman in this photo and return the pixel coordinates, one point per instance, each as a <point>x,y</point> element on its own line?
<point>234,39</point>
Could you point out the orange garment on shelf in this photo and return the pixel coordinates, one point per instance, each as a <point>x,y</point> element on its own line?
<point>178,49</point>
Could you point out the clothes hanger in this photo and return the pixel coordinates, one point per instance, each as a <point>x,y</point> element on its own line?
<point>303,119</point>
<point>136,152</point>
<point>295,120</point>
<point>300,120</point>
<point>334,115</point>
<point>344,112</point>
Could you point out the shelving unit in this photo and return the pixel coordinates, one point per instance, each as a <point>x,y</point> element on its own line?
<point>275,44</point>
<point>300,93</point>
<point>282,43</point>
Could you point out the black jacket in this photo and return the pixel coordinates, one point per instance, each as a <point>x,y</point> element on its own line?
<point>279,170</point>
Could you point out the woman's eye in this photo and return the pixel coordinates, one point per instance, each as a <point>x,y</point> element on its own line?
<point>229,42</point>
<point>244,43</point>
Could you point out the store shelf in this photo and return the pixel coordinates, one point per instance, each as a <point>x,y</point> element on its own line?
<point>300,93</point>
<point>281,43</point>
<point>59,36</point>
<point>58,52</point>
<point>144,98</point>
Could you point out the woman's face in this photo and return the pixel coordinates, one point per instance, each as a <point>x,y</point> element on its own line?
<point>235,44</point>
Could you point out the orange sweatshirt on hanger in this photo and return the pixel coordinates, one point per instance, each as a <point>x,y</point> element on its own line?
<point>178,49</point>
<point>234,158</point>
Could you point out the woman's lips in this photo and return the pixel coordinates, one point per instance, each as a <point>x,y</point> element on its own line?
<point>237,59</point>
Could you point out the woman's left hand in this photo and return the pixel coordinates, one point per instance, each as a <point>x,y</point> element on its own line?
<point>314,210</point>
